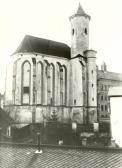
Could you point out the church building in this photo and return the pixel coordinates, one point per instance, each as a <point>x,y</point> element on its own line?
<point>50,78</point>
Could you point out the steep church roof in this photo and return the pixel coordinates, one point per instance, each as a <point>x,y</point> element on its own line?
<point>43,46</point>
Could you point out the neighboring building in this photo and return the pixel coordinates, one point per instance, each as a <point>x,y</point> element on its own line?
<point>105,80</point>
<point>50,78</point>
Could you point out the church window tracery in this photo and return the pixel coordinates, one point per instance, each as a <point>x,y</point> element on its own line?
<point>26,78</point>
<point>39,83</point>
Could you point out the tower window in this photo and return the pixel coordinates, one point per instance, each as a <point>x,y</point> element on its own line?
<point>92,99</point>
<point>92,84</point>
<point>85,31</point>
<point>73,31</point>
<point>101,97</point>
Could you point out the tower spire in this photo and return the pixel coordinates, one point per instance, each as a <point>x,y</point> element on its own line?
<point>80,10</point>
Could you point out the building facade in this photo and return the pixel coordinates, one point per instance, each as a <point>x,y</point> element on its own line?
<point>53,79</point>
<point>50,78</point>
<point>105,80</point>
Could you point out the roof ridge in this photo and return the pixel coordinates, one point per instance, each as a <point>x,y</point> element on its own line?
<point>45,46</point>
<point>49,40</point>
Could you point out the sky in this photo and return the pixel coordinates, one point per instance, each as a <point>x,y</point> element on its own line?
<point>50,19</point>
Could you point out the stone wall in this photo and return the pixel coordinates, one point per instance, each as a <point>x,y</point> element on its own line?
<point>41,114</point>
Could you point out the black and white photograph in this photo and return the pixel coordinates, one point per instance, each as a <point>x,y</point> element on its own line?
<point>60,84</point>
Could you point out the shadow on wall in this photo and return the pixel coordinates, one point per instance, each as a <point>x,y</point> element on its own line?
<point>56,133</point>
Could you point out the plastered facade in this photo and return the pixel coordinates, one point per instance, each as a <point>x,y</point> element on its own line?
<point>70,83</point>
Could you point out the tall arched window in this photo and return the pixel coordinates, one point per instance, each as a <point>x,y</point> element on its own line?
<point>26,79</point>
<point>63,91</point>
<point>61,86</point>
<point>64,85</point>
<point>14,80</point>
<point>39,83</point>
<point>50,84</point>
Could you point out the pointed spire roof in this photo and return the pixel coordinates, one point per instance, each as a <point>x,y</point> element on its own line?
<point>80,12</point>
<point>103,66</point>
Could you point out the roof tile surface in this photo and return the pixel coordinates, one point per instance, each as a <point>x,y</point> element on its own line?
<point>109,75</point>
<point>20,157</point>
<point>43,46</point>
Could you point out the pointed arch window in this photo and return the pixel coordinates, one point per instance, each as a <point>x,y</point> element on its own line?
<point>39,83</point>
<point>26,79</point>
<point>63,76</point>
<point>50,84</point>
<point>14,80</point>
<point>61,86</point>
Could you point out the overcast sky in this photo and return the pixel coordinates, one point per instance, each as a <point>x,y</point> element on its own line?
<point>50,19</point>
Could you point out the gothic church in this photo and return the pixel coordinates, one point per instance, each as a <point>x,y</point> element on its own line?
<point>51,78</point>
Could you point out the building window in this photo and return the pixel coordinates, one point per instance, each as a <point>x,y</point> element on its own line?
<point>92,71</point>
<point>106,108</point>
<point>14,80</point>
<point>85,31</point>
<point>106,98</point>
<point>39,83</point>
<point>74,101</point>
<point>101,97</point>
<point>92,99</point>
<point>50,84</point>
<point>101,87</point>
<point>26,90</point>
<point>61,85</point>
<point>92,84</point>
<point>73,31</point>
<point>63,78</point>
<point>102,108</point>
<point>26,78</point>
<point>102,116</point>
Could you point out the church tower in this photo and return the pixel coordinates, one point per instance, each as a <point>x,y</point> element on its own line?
<point>83,67</point>
<point>79,32</point>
